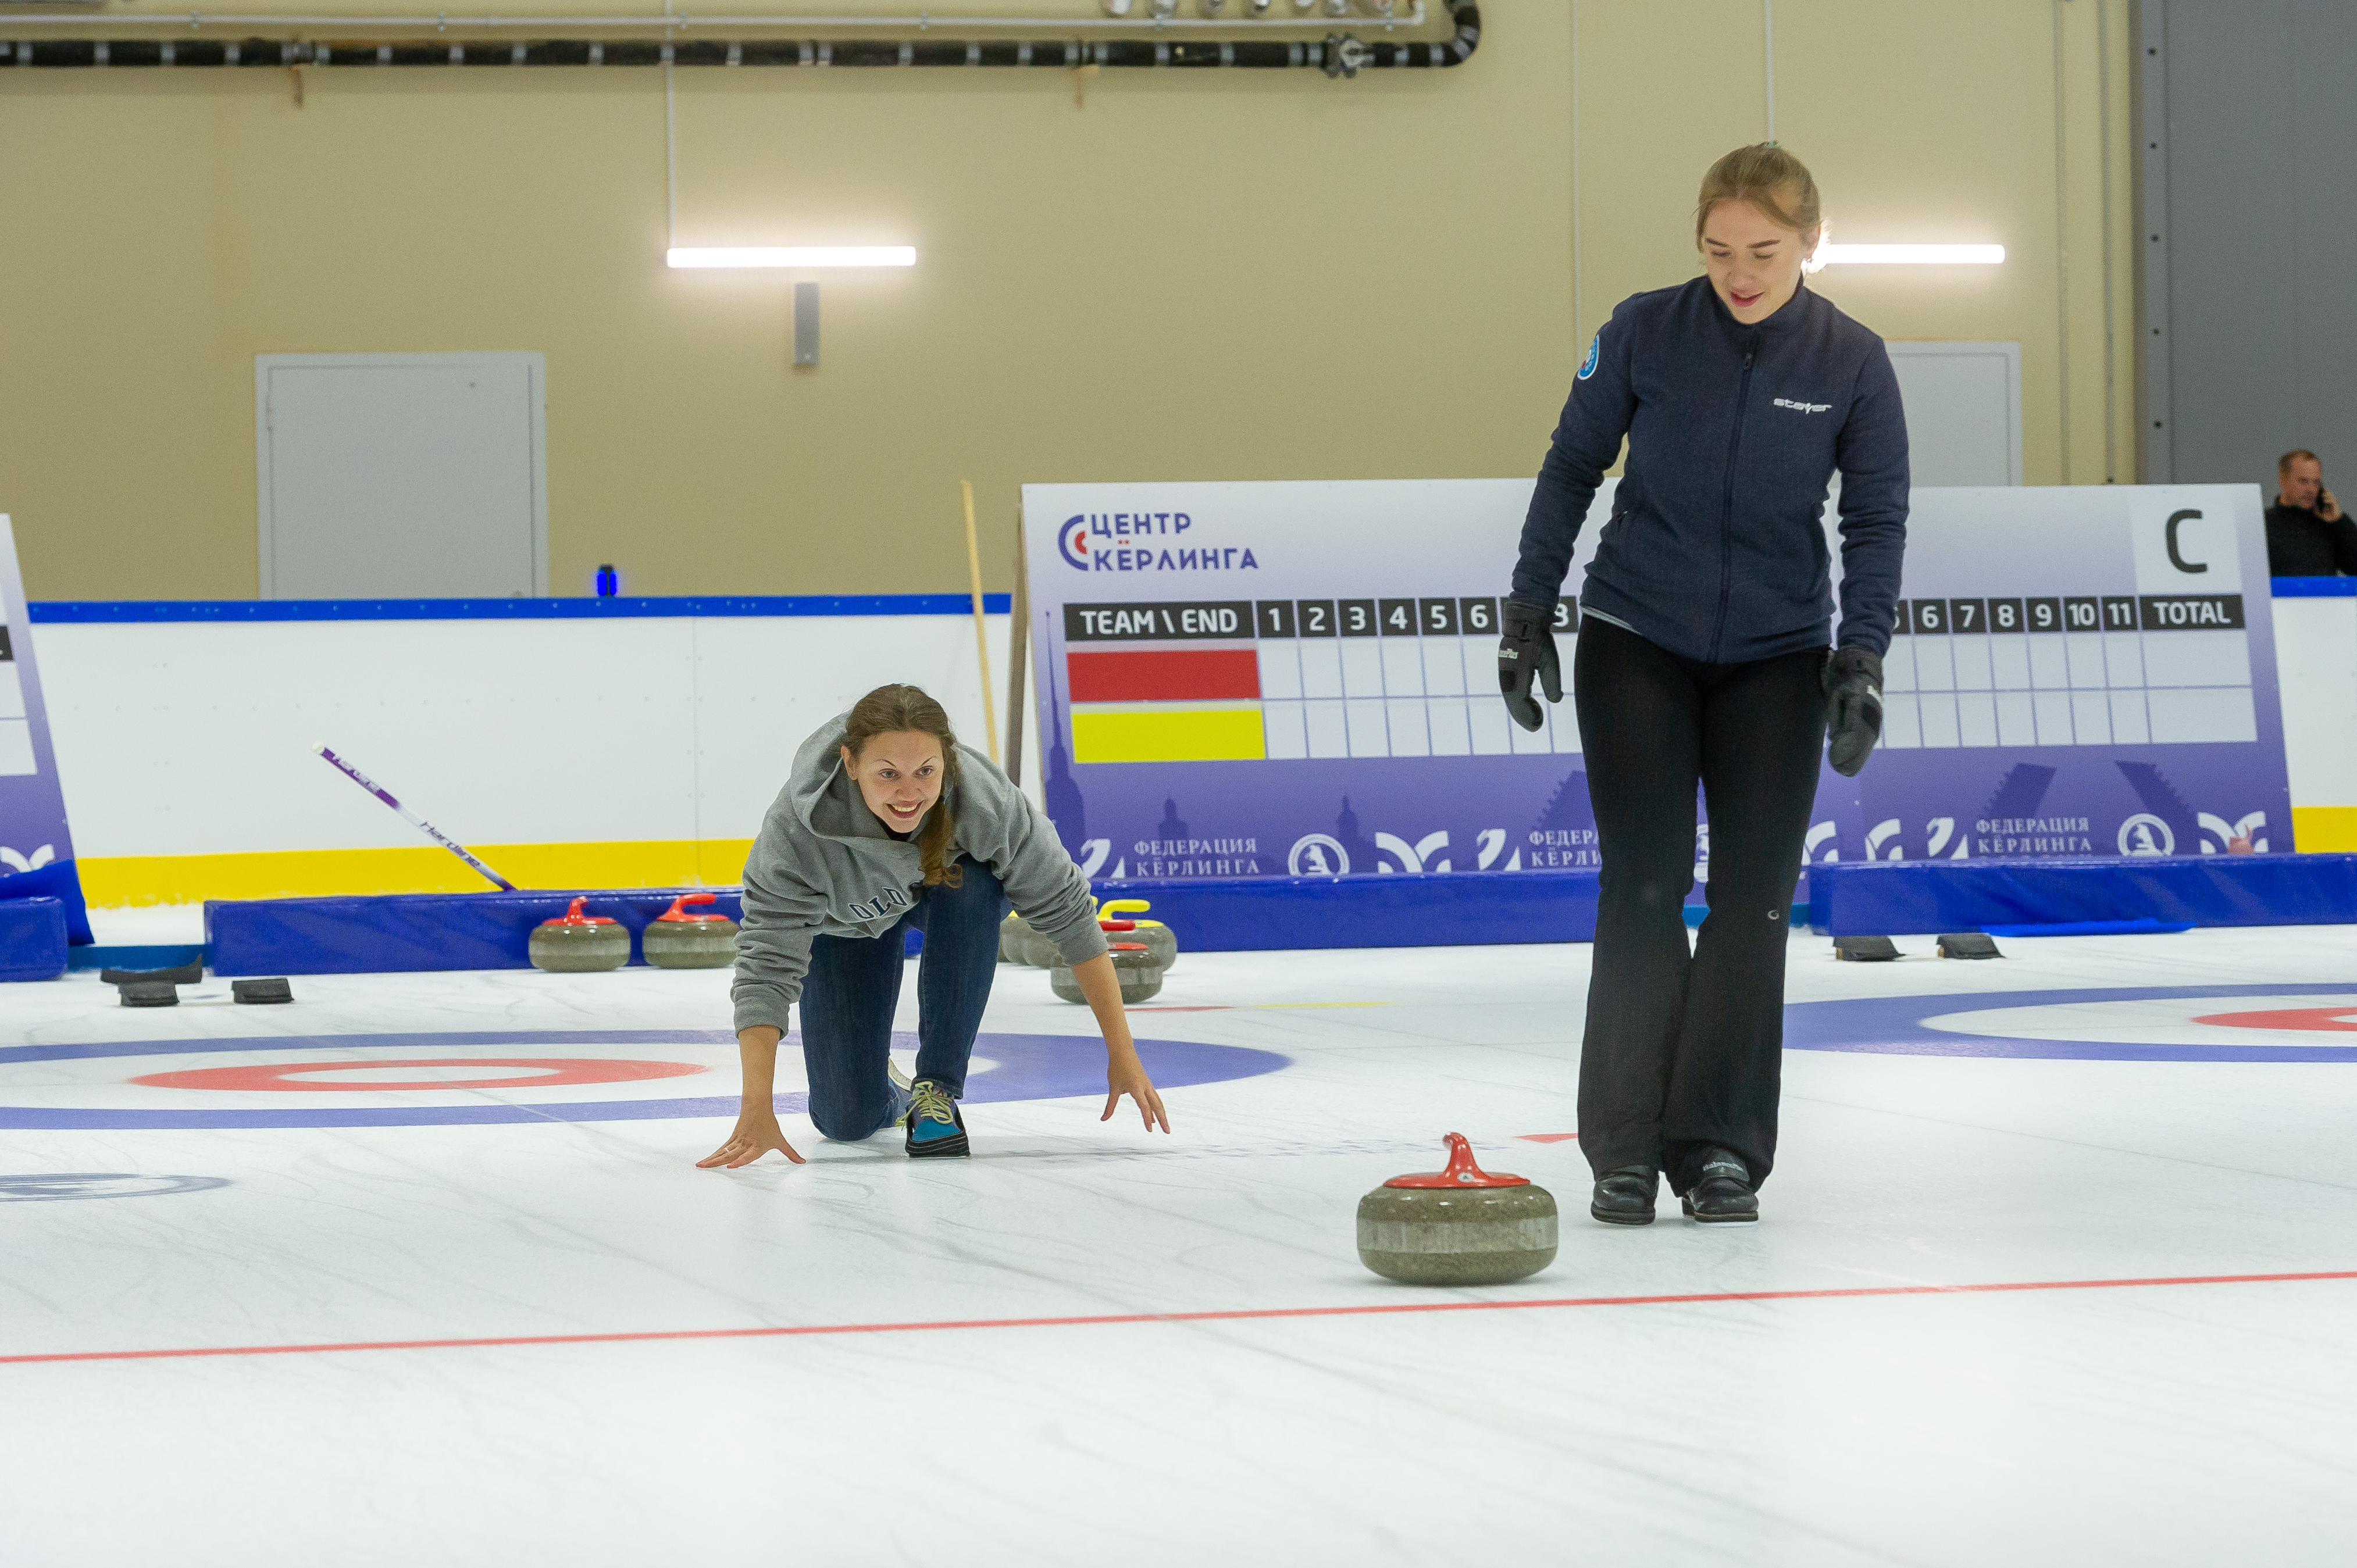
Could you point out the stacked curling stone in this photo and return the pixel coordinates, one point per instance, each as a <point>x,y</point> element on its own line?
<point>1133,965</point>
<point>1458,1226</point>
<point>1018,943</point>
<point>576,944</point>
<point>677,939</point>
<point>1123,914</point>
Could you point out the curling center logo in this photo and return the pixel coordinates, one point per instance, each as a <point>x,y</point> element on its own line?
<point>1073,542</point>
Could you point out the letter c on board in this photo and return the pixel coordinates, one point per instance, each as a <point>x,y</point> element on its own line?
<point>2175,558</point>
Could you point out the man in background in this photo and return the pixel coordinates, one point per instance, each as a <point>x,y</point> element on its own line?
<point>2308,536</point>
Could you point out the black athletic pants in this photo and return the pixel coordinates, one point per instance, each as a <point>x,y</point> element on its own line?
<point>1684,1050</point>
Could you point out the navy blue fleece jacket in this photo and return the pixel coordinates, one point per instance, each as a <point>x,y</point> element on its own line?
<point>1714,549</point>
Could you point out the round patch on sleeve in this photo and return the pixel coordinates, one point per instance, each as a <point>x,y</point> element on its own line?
<point>1595,347</point>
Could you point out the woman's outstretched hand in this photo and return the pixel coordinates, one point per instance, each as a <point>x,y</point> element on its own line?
<point>1126,1075</point>
<point>756,1136</point>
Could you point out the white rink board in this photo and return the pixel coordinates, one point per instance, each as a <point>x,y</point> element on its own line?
<point>176,738</point>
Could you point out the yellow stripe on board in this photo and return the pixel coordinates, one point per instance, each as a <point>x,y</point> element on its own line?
<point>1169,736</point>
<point>113,881</point>
<point>2324,830</point>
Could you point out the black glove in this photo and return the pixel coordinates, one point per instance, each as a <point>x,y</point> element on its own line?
<point>1527,651</point>
<point>1852,679</point>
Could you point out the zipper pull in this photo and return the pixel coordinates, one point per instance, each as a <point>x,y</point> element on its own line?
<point>1748,353</point>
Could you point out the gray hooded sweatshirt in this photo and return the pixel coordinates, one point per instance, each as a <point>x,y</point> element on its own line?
<point>826,865</point>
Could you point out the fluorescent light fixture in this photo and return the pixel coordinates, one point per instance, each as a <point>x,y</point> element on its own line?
<point>1919,255</point>
<point>791,255</point>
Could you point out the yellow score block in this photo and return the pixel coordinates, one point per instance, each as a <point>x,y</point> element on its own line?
<point>1221,734</point>
<point>2324,830</point>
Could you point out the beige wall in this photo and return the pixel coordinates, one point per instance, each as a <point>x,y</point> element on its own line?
<point>1200,275</point>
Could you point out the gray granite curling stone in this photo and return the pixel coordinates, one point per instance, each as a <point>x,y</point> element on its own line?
<point>1460,1226</point>
<point>1140,976</point>
<point>677,939</point>
<point>1155,937</point>
<point>1018,943</point>
<point>1159,939</point>
<point>576,944</point>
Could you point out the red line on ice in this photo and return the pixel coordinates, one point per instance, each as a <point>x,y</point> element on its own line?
<point>1239,1314</point>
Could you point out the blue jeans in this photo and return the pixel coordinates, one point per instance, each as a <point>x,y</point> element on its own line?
<point>854,983</point>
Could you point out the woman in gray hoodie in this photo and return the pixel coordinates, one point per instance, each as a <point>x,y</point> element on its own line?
<point>888,825</point>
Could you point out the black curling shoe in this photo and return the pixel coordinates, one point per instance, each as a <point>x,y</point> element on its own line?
<point>1625,1197</point>
<point>936,1130</point>
<point>1722,1194</point>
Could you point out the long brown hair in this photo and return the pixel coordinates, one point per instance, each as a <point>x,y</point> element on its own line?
<point>889,710</point>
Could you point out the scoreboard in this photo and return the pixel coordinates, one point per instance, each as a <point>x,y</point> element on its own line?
<point>1264,679</point>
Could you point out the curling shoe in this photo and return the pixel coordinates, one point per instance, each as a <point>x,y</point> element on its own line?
<point>1625,1197</point>
<point>1722,1194</point>
<point>936,1130</point>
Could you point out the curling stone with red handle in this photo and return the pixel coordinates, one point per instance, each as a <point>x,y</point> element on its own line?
<point>1159,939</point>
<point>1460,1226</point>
<point>1140,976</point>
<point>677,939</point>
<point>577,943</point>
<point>1155,938</point>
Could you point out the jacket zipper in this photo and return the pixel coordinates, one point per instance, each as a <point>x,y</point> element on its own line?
<point>1727,505</point>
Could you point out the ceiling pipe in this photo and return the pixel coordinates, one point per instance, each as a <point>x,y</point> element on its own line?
<point>198,20</point>
<point>1337,55</point>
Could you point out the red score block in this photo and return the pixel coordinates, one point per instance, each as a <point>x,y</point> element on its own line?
<point>1164,675</point>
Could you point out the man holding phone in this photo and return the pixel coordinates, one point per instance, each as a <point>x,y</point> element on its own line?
<point>2308,533</point>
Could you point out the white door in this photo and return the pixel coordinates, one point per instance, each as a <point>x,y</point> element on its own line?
<point>1963,411</point>
<point>401,475</point>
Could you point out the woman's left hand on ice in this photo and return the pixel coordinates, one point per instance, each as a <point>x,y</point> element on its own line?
<point>1126,1075</point>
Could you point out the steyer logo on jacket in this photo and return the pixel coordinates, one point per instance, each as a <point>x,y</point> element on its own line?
<point>1803,407</point>
<point>889,900</point>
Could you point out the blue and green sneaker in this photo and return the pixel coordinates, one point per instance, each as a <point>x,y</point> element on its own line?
<point>936,1130</point>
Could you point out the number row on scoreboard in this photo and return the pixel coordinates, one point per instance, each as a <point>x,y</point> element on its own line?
<point>2093,612</point>
<point>1390,617</point>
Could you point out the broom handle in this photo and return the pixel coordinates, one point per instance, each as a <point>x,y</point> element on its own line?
<point>412,818</point>
<point>981,639</point>
<point>1018,647</point>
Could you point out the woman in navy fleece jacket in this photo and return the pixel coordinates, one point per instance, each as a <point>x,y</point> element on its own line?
<point>1703,656</point>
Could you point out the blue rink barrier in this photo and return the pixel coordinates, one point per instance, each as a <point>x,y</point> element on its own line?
<point>57,880</point>
<point>1413,910</point>
<point>2094,929</point>
<point>406,933</point>
<point>1901,898</point>
<point>410,932</point>
<point>32,938</point>
<point>424,931</point>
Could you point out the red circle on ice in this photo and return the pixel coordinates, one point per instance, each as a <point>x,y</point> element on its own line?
<point>548,1072</point>
<point>2287,1018</point>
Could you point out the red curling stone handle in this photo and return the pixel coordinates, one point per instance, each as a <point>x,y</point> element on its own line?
<point>1460,1171</point>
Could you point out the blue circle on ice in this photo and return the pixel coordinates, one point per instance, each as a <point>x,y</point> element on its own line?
<point>2144,1024</point>
<point>1028,1067</point>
